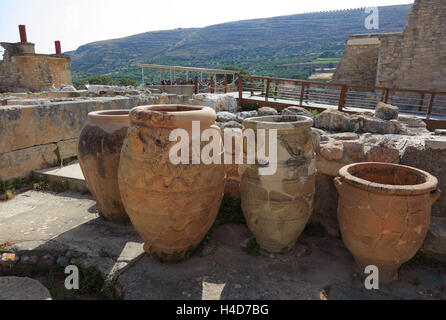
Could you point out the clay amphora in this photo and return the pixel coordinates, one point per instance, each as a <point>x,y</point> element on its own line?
<point>277,207</point>
<point>171,206</point>
<point>384,214</point>
<point>99,151</point>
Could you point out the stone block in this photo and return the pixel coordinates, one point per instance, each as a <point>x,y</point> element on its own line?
<point>386,111</point>
<point>15,288</point>
<point>266,111</point>
<point>20,163</point>
<point>297,111</point>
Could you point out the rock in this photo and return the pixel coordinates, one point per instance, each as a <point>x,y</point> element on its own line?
<point>386,111</point>
<point>361,123</point>
<point>436,144</point>
<point>15,288</point>
<point>218,102</point>
<point>245,115</point>
<point>231,124</point>
<point>66,87</point>
<point>427,155</point>
<point>354,150</point>
<point>266,111</point>
<point>345,136</point>
<point>332,151</point>
<point>297,111</point>
<point>386,150</point>
<point>412,122</point>
<point>440,132</point>
<point>333,120</point>
<point>226,116</point>
<point>435,243</point>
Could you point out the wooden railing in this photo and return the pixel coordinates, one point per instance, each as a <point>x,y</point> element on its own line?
<point>345,97</point>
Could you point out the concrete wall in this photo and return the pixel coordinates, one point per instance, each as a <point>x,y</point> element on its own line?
<point>31,134</point>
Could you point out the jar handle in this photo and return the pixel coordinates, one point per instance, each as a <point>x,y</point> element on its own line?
<point>435,195</point>
<point>338,183</point>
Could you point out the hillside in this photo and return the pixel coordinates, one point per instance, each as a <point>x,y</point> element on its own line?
<point>281,46</point>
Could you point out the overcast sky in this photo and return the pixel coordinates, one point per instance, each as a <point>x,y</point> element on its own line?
<point>77,22</point>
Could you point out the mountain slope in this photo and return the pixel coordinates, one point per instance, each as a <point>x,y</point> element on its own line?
<point>270,46</point>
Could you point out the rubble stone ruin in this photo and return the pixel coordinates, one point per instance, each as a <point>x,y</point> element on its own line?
<point>23,70</point>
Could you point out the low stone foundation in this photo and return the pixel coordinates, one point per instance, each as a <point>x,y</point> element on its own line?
<point>39,130</point>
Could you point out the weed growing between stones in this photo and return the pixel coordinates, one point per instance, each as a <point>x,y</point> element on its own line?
<point>58,162</point>
<point>8,189</point>
<point>60,186</point>
<point>253,248</point>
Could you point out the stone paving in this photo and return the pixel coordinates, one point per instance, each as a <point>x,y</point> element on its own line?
<point>65,228</point>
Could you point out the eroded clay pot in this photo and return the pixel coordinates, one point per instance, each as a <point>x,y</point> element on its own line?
<point>171,206</point>
<point>99,151</point>
<point>384,213</point>
<point>277,207</point>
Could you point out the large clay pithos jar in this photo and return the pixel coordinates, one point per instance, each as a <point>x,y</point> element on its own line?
<point>277,206</point>
<point>172,206</point>
<point>99,151</point>
<point>384,214</point>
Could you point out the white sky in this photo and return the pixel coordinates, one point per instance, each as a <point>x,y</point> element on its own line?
<point>77,22</point>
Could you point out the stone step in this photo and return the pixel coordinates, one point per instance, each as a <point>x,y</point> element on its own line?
<point>70,174</point>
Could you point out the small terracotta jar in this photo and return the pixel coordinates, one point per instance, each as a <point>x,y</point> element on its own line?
<point>384,213</point>
<point>277,206</point>
<point>172,206</point>
<point>99,152</point>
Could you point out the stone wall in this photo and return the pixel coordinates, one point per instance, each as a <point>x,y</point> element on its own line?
<point>359,61</point>
<point>31,135</point>
<point>413,59</point>
<point>22,69</point>
<point>389,59</point>
<point>423,49</point>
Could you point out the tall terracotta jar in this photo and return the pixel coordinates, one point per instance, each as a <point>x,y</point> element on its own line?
<point>384,213</point>
<point>277,207</point>
<point>232,188</point>
<point>99,151</point>
<point>171,206</point>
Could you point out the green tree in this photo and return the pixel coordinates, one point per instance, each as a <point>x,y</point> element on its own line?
<point>128,82</point>
<point>96,80</point>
